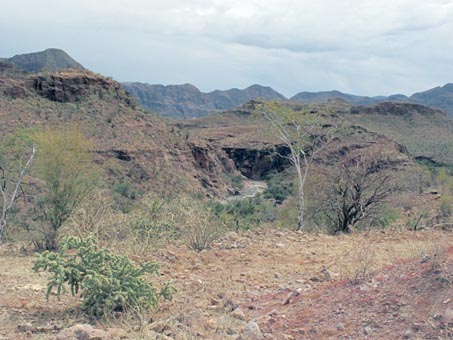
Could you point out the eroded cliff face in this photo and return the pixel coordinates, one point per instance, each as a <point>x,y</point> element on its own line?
<point>64,87</point>
<point>255,163</point>
<point>70,87</point>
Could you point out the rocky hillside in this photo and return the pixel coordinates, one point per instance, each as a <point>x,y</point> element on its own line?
<point>48,60</point>
<point>134,148</point>
<point>439,97</point>
<point>186,101</point>
<point>324,96</point>
<point>424,130</point>
<point>250,143</point>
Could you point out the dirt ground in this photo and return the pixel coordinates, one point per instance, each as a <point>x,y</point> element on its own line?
<point>370,285</point>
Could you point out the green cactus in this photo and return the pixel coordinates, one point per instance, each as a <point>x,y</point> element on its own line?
<point>107,282</point>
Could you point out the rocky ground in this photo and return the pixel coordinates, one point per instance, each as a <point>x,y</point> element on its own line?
<point>264,284</point>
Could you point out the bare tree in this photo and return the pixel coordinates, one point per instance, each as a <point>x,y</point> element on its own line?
<point>304,135</point>
<point>356,189</point>
<point>9,189</point>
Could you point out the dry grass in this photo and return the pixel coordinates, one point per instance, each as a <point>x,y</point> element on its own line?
<point>238,270</point>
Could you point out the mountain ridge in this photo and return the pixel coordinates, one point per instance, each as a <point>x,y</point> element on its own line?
<point>49,60</point>
<point>187,101</point>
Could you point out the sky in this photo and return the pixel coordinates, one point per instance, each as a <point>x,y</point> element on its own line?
<point>363,47</point>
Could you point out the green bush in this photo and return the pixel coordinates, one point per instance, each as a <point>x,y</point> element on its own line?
<point>107,282</point>
<point>386,218</point>
<point>237,181</point>
<point>446,206</point>
<point>245,213</point>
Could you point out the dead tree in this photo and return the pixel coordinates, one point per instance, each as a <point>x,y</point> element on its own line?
<point>9,189</point>
<point>356,189</point>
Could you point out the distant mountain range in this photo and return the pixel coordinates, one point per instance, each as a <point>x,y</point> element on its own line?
<point>186,101</point>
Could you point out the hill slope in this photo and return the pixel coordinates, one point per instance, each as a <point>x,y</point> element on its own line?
<point>323,96</point>
<point>186,101</point>
<point>439,97</point>
<point>134,148</point>
<point>49,60</point>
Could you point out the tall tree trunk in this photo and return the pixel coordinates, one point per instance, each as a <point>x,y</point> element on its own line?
<point>300,215</point>
<point>2,228</point>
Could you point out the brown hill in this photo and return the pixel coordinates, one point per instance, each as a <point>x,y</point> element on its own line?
<point>134,147</point>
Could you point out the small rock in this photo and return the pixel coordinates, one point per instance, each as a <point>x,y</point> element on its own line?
<point>290,296</point>
<point>407,334</point>
<point>238,314</point>
<point>340,326</point>
<point>26,327</point>
<point>83,332</point>
<point>118,333</point>
<point>326,273</point>
<point>252,331</point>
<point>213,302</point>
<point>368,330</point>
<point>159,327</point>
<point>448,316</point>
<point>425,258</point>
<point>211,323</point>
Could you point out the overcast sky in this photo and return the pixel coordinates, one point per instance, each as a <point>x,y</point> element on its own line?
<point>365,47</point>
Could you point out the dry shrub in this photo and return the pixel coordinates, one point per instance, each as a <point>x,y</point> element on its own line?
<point>197,222</point>
<point>95,216</point>
<point>362,260</point>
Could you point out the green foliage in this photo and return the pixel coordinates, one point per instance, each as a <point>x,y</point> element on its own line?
<point>446,206</point>
<point>237,182</point>
<point>65,166</point>
<point>245,213</point>
<point>107,282</point>
<point>278,189</point>
<point>186,219</point>
<point>388,216</point>
<point>153,221</point>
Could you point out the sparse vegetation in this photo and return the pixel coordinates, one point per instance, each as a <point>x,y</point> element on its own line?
<point>108,283</point>
<point>14,164</point>
<point>302,133</point>
<point>66,169</point>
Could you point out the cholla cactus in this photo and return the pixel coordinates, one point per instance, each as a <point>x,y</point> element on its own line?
<point>107,282</point>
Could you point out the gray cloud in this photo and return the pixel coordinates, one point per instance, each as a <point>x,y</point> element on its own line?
<point>359,46</point>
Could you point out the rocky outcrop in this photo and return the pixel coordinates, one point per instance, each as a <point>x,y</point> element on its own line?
<point>397,109</point>
<point>258,163</point>
<point>83,332</point>
<point>70,87</point>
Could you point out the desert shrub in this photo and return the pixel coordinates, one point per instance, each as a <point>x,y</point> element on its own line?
<point>278,189</point>
<point>68,174</point>
<point>153,221</point>
<point>362,261</point>
<point>197,222</point>
<point>237,182</point>
<point>245,213</point>
<point>107,282</point>
<point>386,218</point>
<point>446,206</point>
<point>185,219</point>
